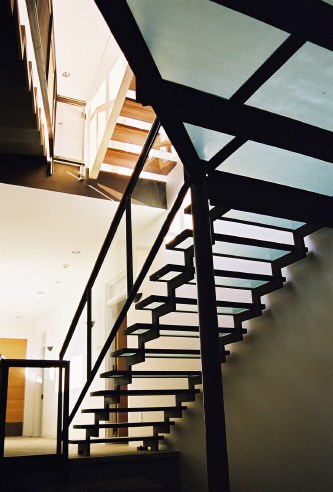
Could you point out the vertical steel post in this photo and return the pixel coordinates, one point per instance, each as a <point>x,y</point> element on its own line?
<point>3,404</point>
<point>60,411</point>
<point>216,443</point>
<point>89,328</point>
<point>129,246</point>
<point>66,412</point>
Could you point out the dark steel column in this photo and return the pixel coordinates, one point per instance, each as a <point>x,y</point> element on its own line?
<point>89,328</point>
<point>129,246</point>
<point>3,404</point>
<point>216,444</point>
<point>66,411</point>
<point>60,411</point>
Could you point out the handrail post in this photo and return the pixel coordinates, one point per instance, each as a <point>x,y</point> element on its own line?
<point>60,411</point>
<point>213,402</point>
<point>129,246</point>
<point>3,404</point>
<point>66,412</point>
<point>89,327</point>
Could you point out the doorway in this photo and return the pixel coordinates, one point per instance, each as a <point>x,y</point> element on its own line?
<point>15,348</point>
<point>114,306</point>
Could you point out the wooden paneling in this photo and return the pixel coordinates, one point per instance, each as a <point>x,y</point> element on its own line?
<point>15,348</point>
<point>128,160</point>
<point>132,109</point>
<point>137,136</point>
<point>132,86</point>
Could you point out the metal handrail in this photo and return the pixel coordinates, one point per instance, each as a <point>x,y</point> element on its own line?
<point>63,400</point>
<point>112,231</point>
<point>137,284</point>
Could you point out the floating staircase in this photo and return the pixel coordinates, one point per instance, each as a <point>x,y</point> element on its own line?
<point>21,129</point>
<point>249,253</point>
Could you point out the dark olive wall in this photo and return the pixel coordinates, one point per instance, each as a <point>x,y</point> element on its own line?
<point>279,385</point>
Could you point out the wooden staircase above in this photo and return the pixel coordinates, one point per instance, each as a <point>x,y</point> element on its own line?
<point>129,135</point>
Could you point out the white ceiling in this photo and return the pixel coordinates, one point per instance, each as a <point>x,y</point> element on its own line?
<point>39,230</point>
<point>84,47</point>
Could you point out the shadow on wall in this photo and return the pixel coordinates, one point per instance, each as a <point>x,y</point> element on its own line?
<point>278,384</point>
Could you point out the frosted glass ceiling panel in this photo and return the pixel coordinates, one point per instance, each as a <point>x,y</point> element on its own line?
<point>206,142</point>
<point>202,44</point>
<point>302,89</point>
<point>280,166</point>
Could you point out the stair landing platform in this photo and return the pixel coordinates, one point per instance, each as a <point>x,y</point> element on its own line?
<point>114,468</point>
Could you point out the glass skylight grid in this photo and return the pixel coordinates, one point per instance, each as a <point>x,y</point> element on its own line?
<point>301,89</point>
<point>280,166</point>
<point>194,50</point>
<point>206,142</point>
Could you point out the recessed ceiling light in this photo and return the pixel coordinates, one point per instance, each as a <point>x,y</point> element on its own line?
<point>66,74</point>
<point>58,282</point>
<point>40,292</point>
<point>18,317</point>
<point>65,265</point>
<point>76,251</point>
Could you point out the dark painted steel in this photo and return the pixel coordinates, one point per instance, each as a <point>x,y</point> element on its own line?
<point>62,418</point>
<point>216,443</point>
<point>136,286</point>
<point>89,328</point>
<point>112,231</point>
<point>262,197</point>
<point>257,79</point>
<point>199,108</point>
<point>4,368</point>
<point>66,413</point>
<point>311,20</point>
<point>129,246</point>
<point>59,411</point>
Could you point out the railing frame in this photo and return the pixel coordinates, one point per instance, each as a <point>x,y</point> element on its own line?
<point>112,232</point>
<point>124,207</point>
<point>63,398</point>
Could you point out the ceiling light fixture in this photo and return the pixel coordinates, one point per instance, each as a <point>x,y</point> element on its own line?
<point>66,74</point>
<point>76,251</point>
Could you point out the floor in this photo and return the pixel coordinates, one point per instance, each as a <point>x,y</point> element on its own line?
<point>28,446</point>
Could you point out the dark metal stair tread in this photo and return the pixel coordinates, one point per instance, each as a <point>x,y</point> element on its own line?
<point>145,327</point>
<point>167,269</point>
<point>121,424</point>
<point>188,233</point>
<point>144,392</point>
<point>151,374</point>
<point>147,351</point>
<point>191,301</point>
<point>114,439</point>
<point>218,214</point>
<point>221,273</point>
<point>134,409</point>
<point>162,353</point>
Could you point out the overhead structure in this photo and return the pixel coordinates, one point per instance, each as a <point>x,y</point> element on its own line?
<point>243,88</point>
